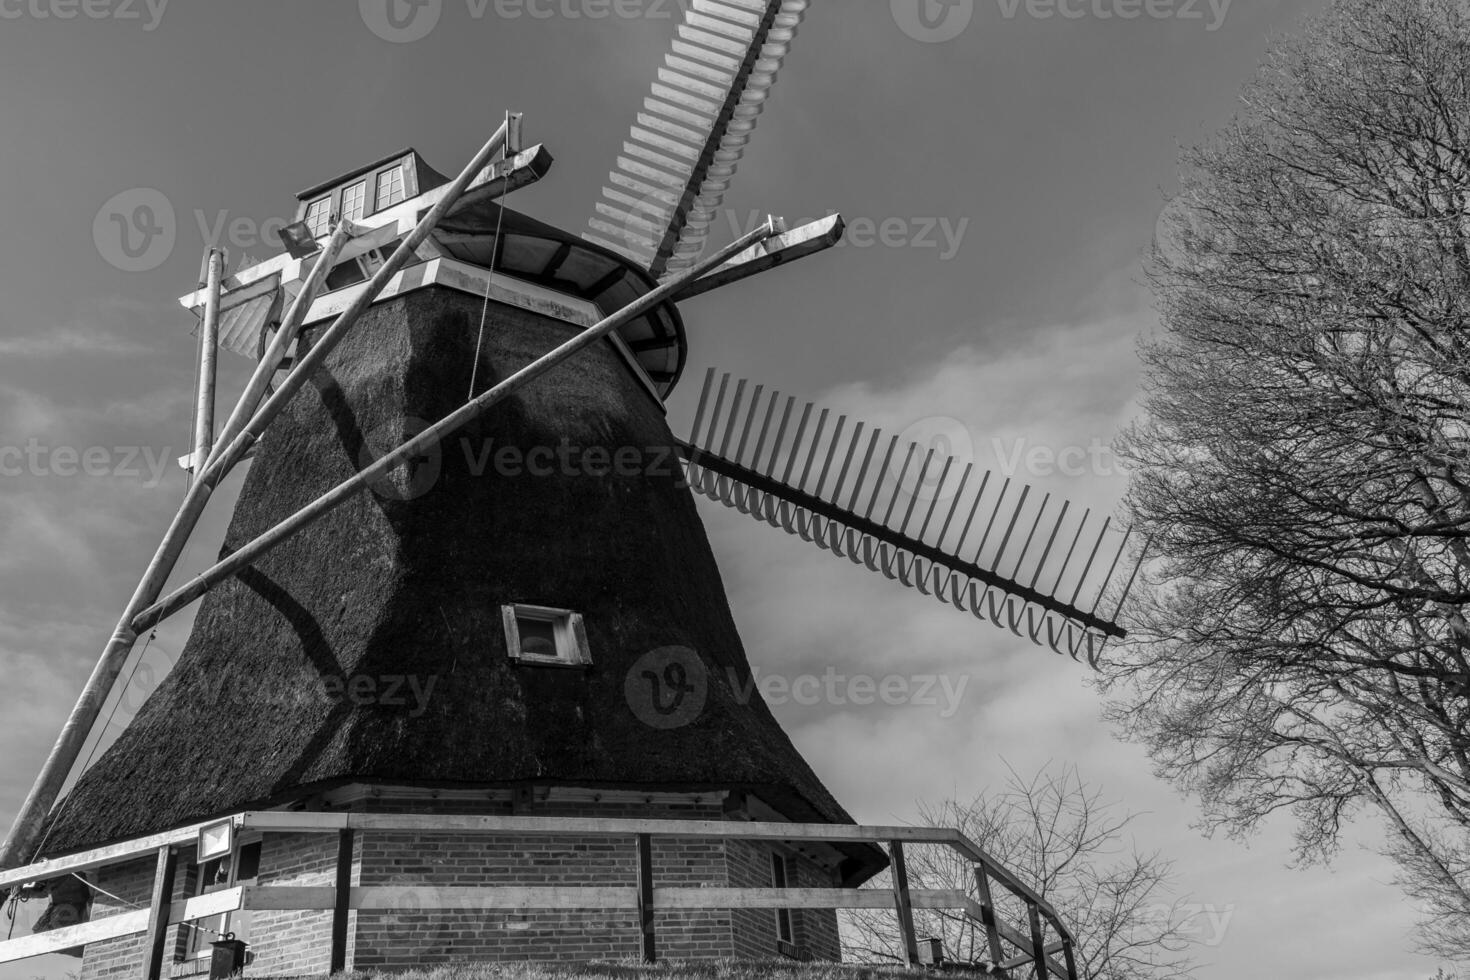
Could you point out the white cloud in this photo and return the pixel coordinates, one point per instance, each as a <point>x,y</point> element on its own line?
<point>65,340</point>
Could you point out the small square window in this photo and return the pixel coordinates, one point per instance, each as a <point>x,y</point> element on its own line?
<point>539,635</point>
<point>319,216</point>
<point>390,187</point>
<point>354,201</point>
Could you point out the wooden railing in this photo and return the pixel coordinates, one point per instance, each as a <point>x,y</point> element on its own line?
<point>1010,946</point>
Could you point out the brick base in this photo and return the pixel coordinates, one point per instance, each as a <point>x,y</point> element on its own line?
<point>298,943</point>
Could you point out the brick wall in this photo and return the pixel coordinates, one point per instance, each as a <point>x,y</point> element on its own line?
<point>133,884</point>
<point>814,931</point>
<point>408,936</point>
<point>404,937</point>
<point>294,943</point>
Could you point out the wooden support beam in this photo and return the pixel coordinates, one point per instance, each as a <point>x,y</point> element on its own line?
<point>70,937</point>
<point>208,360</point>
<point>1069,956</point>
<point>647,941</point>
<point>342,909</point>
<point>987,914</point>
<point>797,244</point>
<point>159,912</point>
<point>904,903</point>
<point>1038,941</point>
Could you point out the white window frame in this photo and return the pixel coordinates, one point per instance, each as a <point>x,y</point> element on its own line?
<point>781,878</point>
<point>396,174</point>
<point>570,632</point>
<point>358,212</point>
<point>325,216</point>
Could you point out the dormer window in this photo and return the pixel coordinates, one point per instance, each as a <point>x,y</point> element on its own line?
<point>354,201</point>
<point>390,187</point>
<point>319,216</point>
<point>545,636</point>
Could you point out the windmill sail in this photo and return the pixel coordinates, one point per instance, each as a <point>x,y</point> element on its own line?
<point>687,142</point>
<point>984,545</point>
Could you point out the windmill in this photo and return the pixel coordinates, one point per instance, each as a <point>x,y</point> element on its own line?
<point>573,620</point>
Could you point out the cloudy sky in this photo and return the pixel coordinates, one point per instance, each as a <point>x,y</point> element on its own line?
<point>1021,165</point>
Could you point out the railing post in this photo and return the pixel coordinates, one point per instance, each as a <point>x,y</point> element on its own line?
<point>646,943</point>
<point>987,914</point>
<point>158,912</point>
<point>344,901</point>
<point>1038,941</point>
<point>1069,956</point>
<point>904,903</point>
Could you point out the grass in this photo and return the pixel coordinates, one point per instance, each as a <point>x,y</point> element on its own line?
<point>694,970</point>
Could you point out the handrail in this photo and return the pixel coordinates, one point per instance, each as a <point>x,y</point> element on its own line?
<point>571,826</point>
<point>343,897</point>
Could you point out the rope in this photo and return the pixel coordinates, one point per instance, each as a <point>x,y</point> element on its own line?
<point>135,906</point>
<point>490,280</point>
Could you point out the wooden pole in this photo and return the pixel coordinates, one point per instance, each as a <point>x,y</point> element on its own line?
<point>26,830</point>
<point>208,363</point>
<point>1069,956</point>
<point>250,553</point>
<point>987,913</point>
<point>904,902</point>
<point>341,912</point>
<point>158,912</point>
<point>270,362</point>
<point>647,942</point>
<point>1038,941</point>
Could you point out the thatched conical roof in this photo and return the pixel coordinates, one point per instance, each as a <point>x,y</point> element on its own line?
<point>386,588</point>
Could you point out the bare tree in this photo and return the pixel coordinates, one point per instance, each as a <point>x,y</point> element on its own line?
<point>1301,642</point>
<point>1059,835</point>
